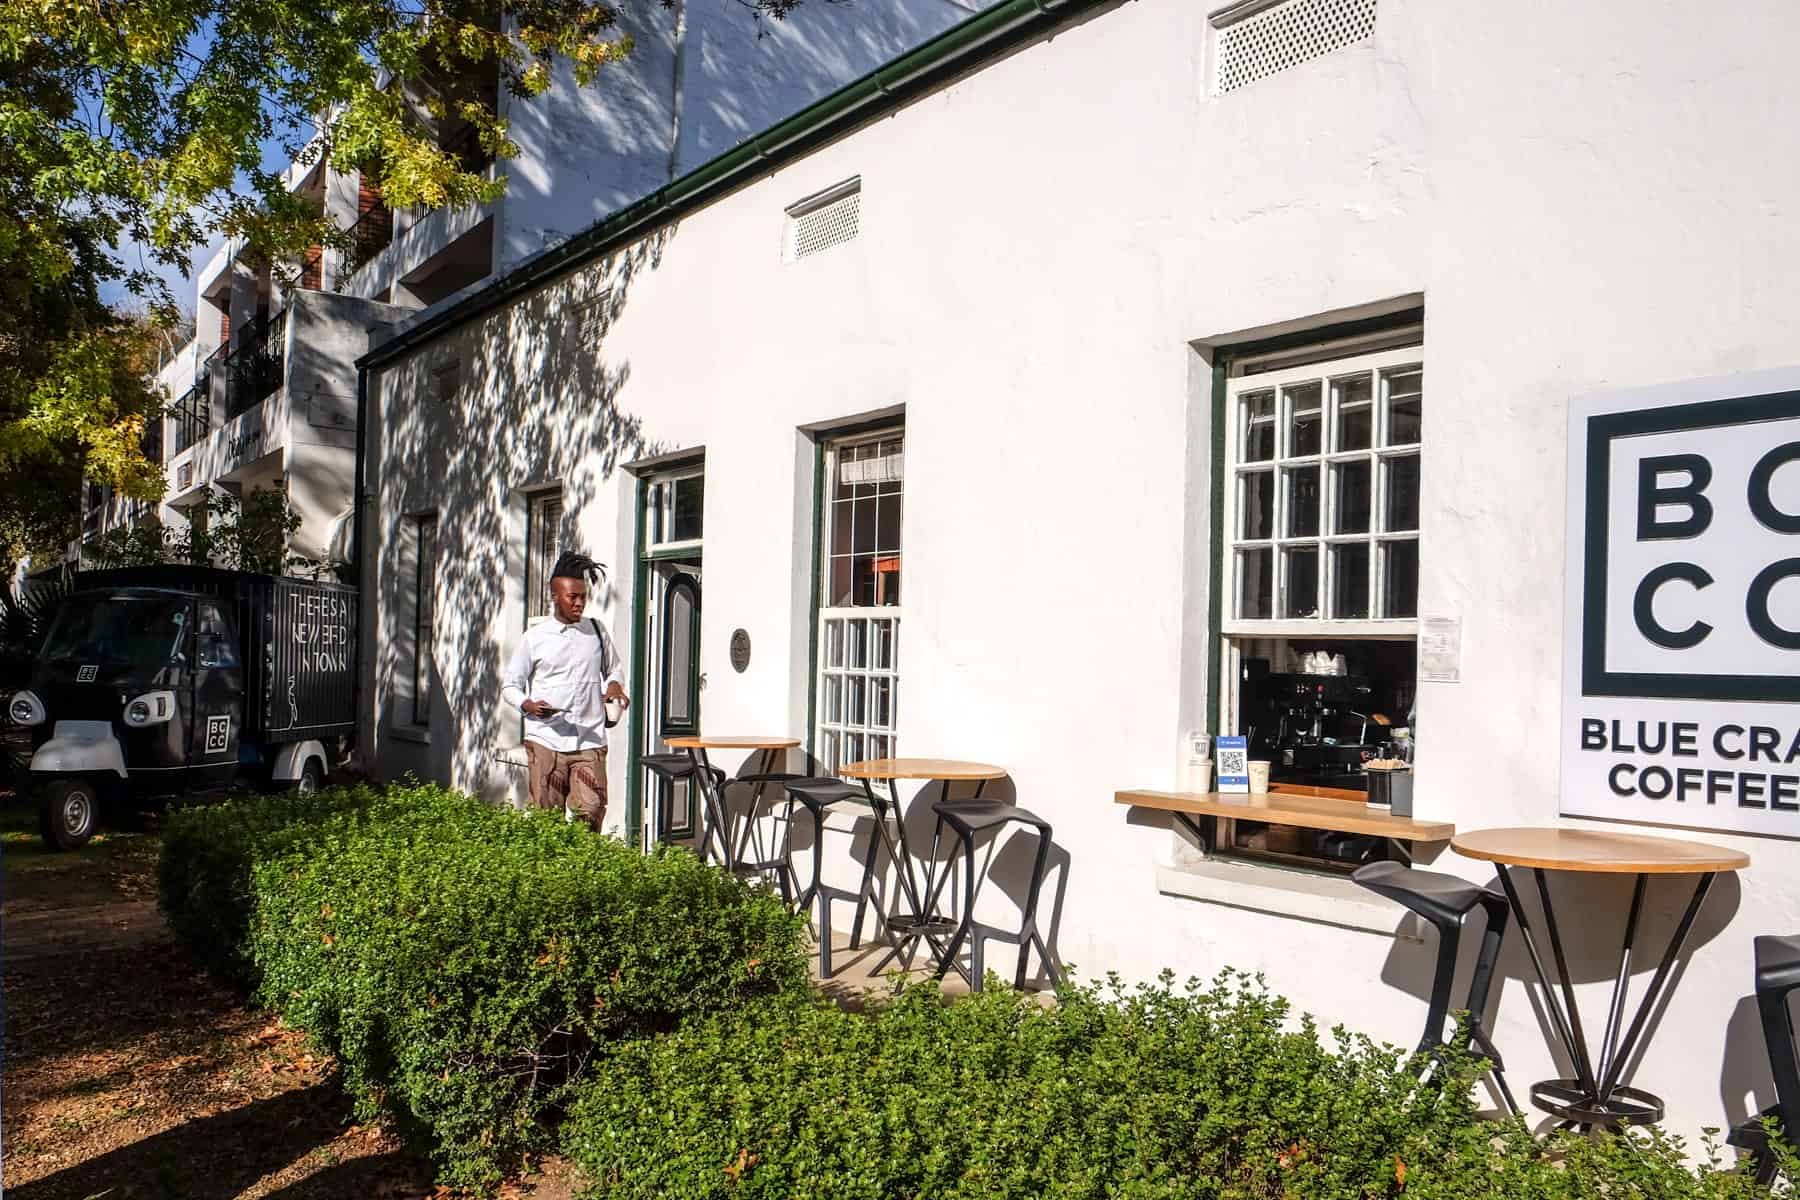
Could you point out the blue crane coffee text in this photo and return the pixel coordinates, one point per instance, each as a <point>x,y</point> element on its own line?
<point>1728,741</point>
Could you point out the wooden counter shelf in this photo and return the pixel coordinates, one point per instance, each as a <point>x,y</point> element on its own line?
<point>1292,808</point>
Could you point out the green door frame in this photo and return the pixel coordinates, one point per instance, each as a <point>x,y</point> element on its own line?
<point>640,599</point>
<point>812,606</point>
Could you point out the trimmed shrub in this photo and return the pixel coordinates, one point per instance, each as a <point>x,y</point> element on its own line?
<point>464,963</point>
<point>204,884</point>
<point>1209,1092</point>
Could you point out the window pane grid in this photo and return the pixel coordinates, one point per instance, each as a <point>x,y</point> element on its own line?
<point>673,511</point>
<point>1326,492</point>
<point>544,524</point>
<point>859,616</point>
<point>858,705</point>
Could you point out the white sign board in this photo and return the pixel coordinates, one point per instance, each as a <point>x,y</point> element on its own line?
<point>1681,655</point>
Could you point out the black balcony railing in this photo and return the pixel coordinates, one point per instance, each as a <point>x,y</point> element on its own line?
<point>369,237</point>
<point>255,364</point>
<point>192,414</point>
<point>152,442</point>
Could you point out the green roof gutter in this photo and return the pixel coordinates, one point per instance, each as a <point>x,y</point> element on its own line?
<point>982,37</point>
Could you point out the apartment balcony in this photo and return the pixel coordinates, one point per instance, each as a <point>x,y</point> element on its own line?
<point>279,410</point>
<point>151,444</point>
<point>253,370</point>
<point>288,379</point>
<point>464,145</point>
<point>369,236</point>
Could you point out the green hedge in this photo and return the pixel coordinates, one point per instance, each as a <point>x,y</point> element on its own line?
<point>204,883</point>
<point>463,963</point>
<point>1209,1092</point>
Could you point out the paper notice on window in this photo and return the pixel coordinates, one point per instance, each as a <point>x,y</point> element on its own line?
<point>1440,649</point>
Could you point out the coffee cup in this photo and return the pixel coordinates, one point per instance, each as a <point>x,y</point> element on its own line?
<point>615,710</point>
<point>1259,776</point>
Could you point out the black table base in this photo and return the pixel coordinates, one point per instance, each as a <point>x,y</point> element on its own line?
<point>1595,1098</point>
<point>920,922</point>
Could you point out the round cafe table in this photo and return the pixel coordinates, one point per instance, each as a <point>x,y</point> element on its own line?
<point>919,921</point>
<point>715,819</point>
<point>1595,1097</point>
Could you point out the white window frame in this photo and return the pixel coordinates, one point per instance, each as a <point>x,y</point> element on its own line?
<point>659,510</point>
<point>829,735</point>
<point>537,599</point>
<point>1238,384</point>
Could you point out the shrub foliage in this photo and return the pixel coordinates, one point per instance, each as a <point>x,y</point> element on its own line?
<point>1156,1092</point>
<point>462,962</point>
<point>484,977</point>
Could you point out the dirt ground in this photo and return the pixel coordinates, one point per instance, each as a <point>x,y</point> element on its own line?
<point>129,1075</point>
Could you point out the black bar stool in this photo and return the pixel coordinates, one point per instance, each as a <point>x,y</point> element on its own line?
<point>1444,901</point>
<point>781,863</point>
<point>1777,975</point>
<point>967,819</point>
<point>818,794</point>
<point>672,769</point>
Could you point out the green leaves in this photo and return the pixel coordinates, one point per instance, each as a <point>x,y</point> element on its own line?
<point>1209,1091</point>
<point>465,964</point>
<point>133,133</point>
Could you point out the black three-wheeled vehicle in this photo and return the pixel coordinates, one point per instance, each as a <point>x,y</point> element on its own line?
<point>156,682</point>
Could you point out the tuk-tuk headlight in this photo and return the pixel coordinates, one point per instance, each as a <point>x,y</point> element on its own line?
<point>152,708</point>
<point>26,709</point>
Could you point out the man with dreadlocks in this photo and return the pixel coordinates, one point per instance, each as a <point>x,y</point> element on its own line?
<point>563,673</point>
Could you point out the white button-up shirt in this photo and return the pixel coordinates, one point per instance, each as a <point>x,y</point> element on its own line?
<point>566,666</point>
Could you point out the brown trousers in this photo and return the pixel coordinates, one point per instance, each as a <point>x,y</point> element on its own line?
<point>572,779</point>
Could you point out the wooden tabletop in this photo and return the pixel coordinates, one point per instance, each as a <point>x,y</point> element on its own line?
<point>1286,808</point>
<point>733,742</point>
<point>1598,851</point>
<point>921,768</point>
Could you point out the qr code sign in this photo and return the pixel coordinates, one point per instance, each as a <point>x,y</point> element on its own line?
<point>1234,762</point>
<point>218,734</point>
<point>86,674</point>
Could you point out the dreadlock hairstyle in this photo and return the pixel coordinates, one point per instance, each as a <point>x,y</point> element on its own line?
<point>575,565</point>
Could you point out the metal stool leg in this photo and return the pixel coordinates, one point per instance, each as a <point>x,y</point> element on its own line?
<point>1028,928</point>
<point>1442,978</point>
<point>965,926</point>
<point>1493,935</point>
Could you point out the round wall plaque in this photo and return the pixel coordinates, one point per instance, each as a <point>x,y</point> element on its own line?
<point>740,650</point>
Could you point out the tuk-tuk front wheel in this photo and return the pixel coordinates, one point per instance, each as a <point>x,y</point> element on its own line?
<point>71,813</point>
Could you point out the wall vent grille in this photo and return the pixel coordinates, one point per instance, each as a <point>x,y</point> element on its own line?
<point>1272,38</point>
<point>821,221</point>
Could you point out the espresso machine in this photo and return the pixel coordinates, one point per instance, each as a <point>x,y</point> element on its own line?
<point>1313,729</point>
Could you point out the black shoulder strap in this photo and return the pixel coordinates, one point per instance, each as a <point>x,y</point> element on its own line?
<point>605,647</point>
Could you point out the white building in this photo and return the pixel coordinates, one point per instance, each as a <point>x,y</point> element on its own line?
<point>265,396</point>
<point>1037,290</point>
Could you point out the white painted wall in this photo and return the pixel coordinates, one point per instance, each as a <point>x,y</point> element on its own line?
<point>1587,197</point>
<point>702,77</point>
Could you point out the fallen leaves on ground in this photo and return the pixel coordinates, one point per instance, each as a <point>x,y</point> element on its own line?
<point>131,1075</point>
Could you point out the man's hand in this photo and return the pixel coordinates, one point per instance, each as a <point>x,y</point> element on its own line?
<point>537,708</point>
<point>617,693</point>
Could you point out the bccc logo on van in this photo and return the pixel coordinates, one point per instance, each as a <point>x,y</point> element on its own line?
<point>1691,570</point>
